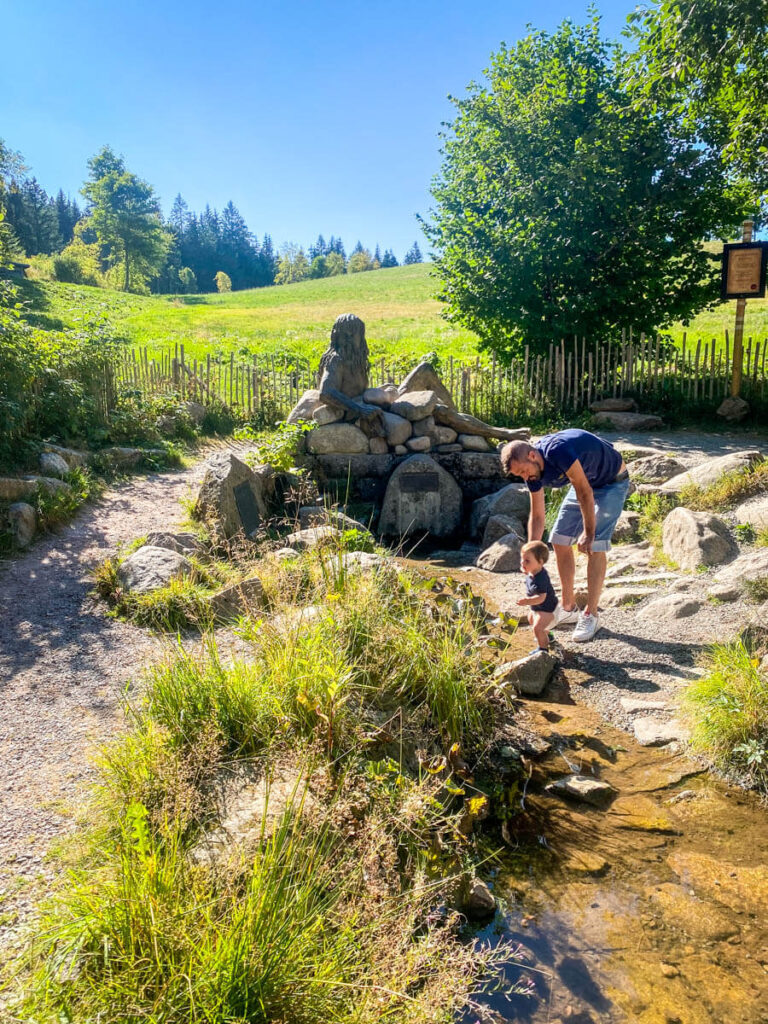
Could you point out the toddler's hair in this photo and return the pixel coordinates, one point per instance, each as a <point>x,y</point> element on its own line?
<point>538,549</point>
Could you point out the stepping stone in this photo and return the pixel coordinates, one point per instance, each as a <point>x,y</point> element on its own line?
<point>674,606</point>
<point>584,788</point>
<point>618,596</point>
<point>631,704</point>
<point>656,732</point>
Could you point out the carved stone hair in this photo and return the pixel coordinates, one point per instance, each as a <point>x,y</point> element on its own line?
<point>348,341</point>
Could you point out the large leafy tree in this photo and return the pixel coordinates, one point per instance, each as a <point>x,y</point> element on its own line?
<point>708,60</point>
<point>563,208</point>
<point>125,214</point>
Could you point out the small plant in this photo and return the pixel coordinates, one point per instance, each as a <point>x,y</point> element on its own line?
<point>727,492</point>
<point>277,448</point>
<point>757,588</point>
<point>728,712</point>
<point>745,533</point>
<point>761,539</point>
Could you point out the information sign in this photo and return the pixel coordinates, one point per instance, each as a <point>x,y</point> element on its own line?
<point>744,268</point>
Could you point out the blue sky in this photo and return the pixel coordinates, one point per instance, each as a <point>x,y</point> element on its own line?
<point>312,117</point>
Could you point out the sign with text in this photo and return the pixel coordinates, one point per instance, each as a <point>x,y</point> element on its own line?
<point>744,267</point>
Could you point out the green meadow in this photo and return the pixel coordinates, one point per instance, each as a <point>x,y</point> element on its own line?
<point>401,314</point>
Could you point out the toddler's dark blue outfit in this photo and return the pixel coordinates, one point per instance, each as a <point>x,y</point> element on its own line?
<point>541,584</point>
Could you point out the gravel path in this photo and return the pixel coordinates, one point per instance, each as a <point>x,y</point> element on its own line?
<point>64,665</point>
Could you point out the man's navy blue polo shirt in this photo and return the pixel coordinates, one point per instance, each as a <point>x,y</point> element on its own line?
<point>599,460</point>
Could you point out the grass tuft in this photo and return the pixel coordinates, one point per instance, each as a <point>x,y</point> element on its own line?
<point>727,492</point>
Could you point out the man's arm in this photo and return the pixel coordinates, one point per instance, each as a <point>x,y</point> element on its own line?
<point>586,499</point>
<point>537,517</point>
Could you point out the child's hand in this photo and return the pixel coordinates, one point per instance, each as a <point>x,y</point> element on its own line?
<point>523,601</point>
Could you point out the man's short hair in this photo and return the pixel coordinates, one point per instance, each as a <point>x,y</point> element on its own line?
<point>514,451</point>
<point>538,549</point>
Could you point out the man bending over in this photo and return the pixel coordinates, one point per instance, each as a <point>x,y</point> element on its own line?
<point>587,517</point>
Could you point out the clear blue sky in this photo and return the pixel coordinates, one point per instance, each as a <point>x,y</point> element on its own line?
<point>312,117</point>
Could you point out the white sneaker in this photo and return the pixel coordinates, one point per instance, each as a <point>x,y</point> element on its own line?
<point>586,627</point>
<point>563,617</point>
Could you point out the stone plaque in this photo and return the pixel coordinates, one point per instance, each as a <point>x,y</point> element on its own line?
<point>247,507</point>
<point>413,483</point>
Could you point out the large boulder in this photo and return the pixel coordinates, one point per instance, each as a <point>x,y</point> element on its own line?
<point>305,407</point>
<point>151,568</point>
<point>414,405</point>
<point>503,555</point>
<point>73,458</point>
<point>614,405</point>
<point>342,438</point>
<point>22,522</point>
<point>421,497</point>
<point>383,396</point>
<point>710,471</point>
<point>424,378</point>
<point>184,543</point>
<point>52,464</point>
<point>513,500</point>
<point>195,411</point>
<point>499,526</point>
<point>734,409</point>
<point>748,566</point>
<point>14,488</point>
<point>418,444</point>
<point>655,469</point>
<point>397,428</point>
<point>325,414</point>
<point>527,675</point>
<point>627,421</point>
<point>231,497</point>
<point>754,512</point>
<point>692,539</point>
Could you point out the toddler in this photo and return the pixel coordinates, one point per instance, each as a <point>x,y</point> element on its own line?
<point>541,597</point>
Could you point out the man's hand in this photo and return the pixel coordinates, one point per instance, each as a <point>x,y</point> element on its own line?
<point>584,543</point>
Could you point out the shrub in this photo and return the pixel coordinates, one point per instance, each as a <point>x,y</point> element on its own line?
<point>223,281</point>
<point>728,712</point>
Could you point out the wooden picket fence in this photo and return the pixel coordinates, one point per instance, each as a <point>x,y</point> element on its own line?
<point>569,375</point>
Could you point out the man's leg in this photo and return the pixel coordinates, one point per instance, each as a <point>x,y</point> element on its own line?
<point>596,566</point>
<point>566,568</point>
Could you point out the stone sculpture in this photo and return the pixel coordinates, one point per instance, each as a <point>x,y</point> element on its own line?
<point>344,375</point>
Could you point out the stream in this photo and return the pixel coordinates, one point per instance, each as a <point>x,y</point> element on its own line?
<point>653,910</point>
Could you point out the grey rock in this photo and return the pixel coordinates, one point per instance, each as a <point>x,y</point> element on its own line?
<point>400,449</point>
<point>318,515</point>
<point>337,437</point>
<point>237,598</point>
<point>383,397</point>
<point>527,675</point>
<point>415,405</point>
<point>734,409</point>
<point>363,561</point>
<point>52,464</point>
<point>479,903</point>
<point>184,543</point>
<point>421,497</point>
<point>194,410</point>
<point>18,488</point>
<point>125,458</point>
<point>418,444</point>
<point>725,591</point>
<point>503,555</point>
<point>512,500</point>
<point>627,421</point>
<point>325,414</point>
<point>673,606</point>
<point>710,471</point>
<point>498,527</point>
<point>748,566</point>
<point>398,429</point>
<point>617,597</point>
<point>614,405</point>
<point>425,378</point>
<point>425,427</point>
<point>473,443</point>
<point>630,451</point>
<point>315,536</point>
<point>378,445</point>
<point>584,788</point>
<point>216,503</point>
<point>447,449</point>
<point>754,512</point>
<point>151,568</point>
<point>697,538</point>
<point>634,704</point>
<point>444,435</point>
<point>305,407</point>
<point>22,521</point>
<point>74,459</point>
<point>284,554</point>
<point>655,469</point>
<point>657,732</point>
<point>626,527</point>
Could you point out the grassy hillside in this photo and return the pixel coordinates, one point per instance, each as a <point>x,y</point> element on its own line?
<point>401,315</point>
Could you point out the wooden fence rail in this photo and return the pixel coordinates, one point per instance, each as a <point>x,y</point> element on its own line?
<point>567,375</point>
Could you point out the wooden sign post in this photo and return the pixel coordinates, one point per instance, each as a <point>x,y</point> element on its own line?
<point>744,267</point>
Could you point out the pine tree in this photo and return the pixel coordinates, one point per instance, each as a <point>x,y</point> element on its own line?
<point>389,259</point>
<point>413,255</point>
<point>67,214</point>
<point>377,258</point>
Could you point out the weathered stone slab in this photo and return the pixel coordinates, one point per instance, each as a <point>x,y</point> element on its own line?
<point>418,444</point>
<point>305,407</point>
<point>527,675</point>
<point>657,732</point>
<point>398,429</point>
<point>749,565</point>
<point>433,504</point>
<point>512,500</point>
<point>237,598</point>
<point>672,606</point>
<point>614,405</point>
<point>231,496</point>
<point>415,405</point>
<point>334,438</point>
<point>498,527</point>
<point>710,471</point>
<point>473,443</point>
<point>655,469</point>
<point>584,788</point>
<point>627,421</point>
<point>73,458</point>
<point>52,464</point>
<point>697,538</point>
<point>184,543</point>
<point>22,522</point>
<point>378,445</point>
<point>16,488</point>
<point>503,555</point>
<point>150,568</point>
<point>315,536</point>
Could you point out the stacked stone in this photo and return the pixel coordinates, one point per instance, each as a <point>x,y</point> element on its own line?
<point>411,423</point>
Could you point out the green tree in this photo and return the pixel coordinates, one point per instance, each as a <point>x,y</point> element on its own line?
<point>32,214</point>
<point>413,255</point>
<point>562,208</point>
<point>223,281</point>
<point>388,259</point>
<point>708,59</point>
<point>334,264</point>
<point>11,166</point>
<point>293,264</point>
<point>359,261</point>
<point>319,267</point>
<point>125,215</point>
<point>188,281</point>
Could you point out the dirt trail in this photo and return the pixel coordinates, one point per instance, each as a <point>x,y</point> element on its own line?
<point>64,665</point>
